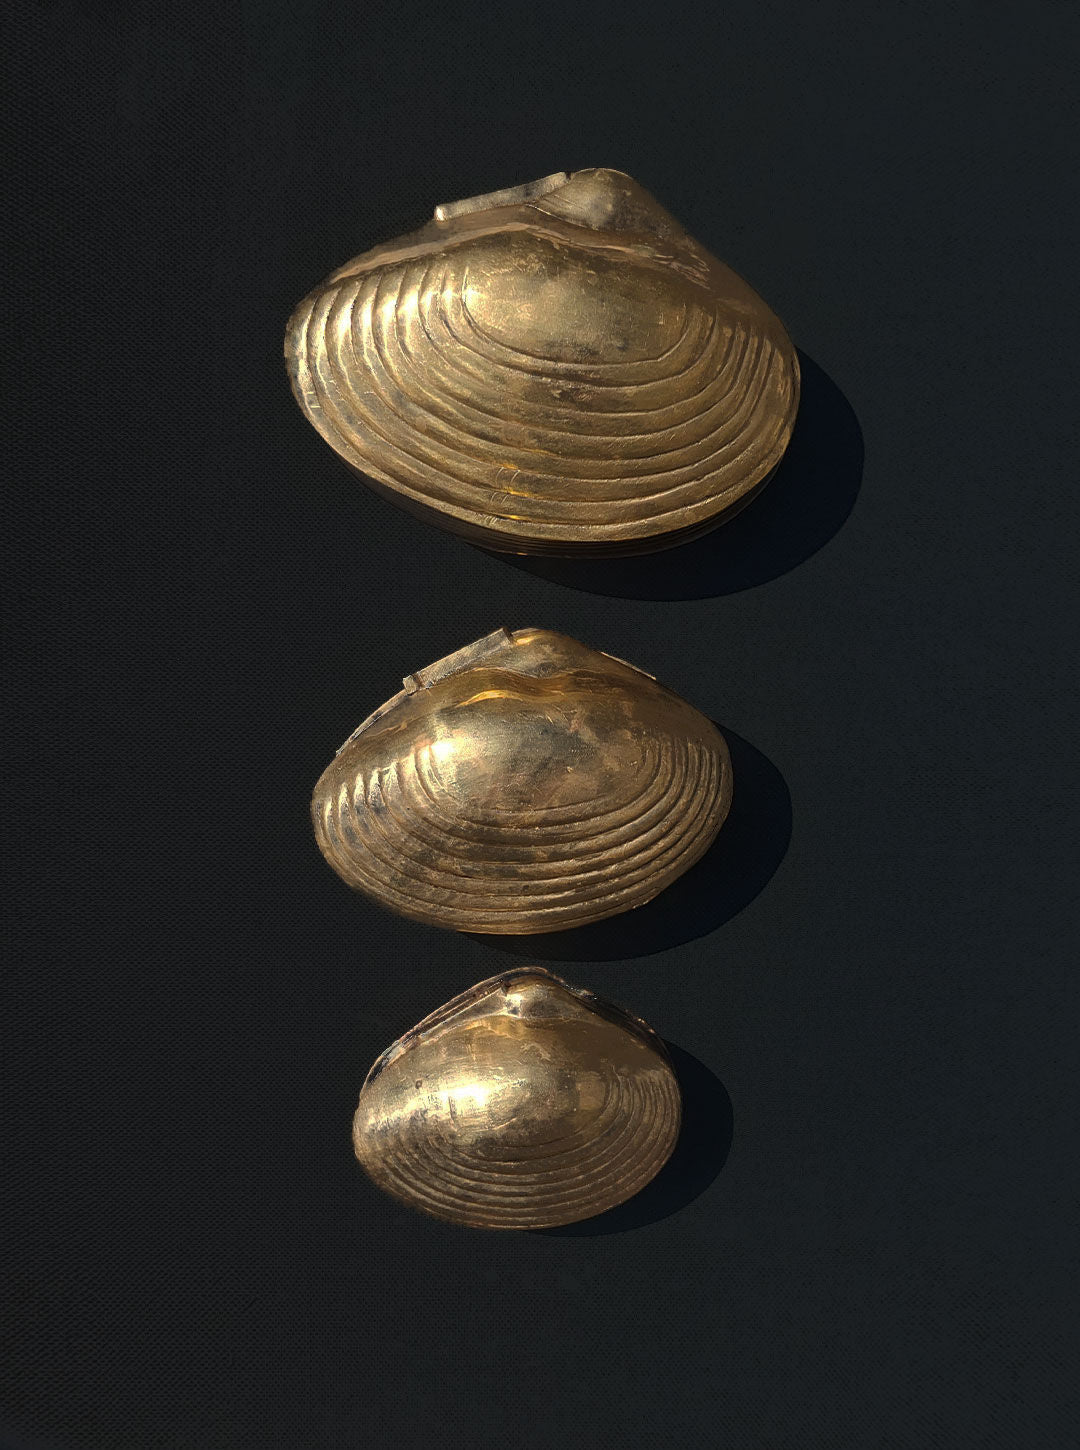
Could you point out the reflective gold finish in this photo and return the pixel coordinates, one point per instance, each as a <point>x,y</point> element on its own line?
<point>555,368</point>
<point>525,783</point>
<point>523,1103</point>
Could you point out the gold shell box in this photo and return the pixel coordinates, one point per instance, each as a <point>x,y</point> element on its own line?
<point>554,369</point>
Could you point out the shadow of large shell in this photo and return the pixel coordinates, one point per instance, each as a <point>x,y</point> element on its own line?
<point>558,368</point>
<point>524,1103</point>
<point>524,784</point>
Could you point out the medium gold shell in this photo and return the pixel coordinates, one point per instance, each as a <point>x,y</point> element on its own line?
<point>524,1103</point>
<point>557,368</point>
<point>525,783</point>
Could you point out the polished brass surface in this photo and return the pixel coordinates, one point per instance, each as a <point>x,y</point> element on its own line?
<point>554,368</point>
<point>525,783</point>
<point>523,1103</point>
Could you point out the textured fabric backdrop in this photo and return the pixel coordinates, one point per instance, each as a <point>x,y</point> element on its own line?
<point>862,1240</point>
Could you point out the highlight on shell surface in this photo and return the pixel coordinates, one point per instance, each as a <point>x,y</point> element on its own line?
<point>523,1103</point>
<point>553,368</point>
<point>525,783</point>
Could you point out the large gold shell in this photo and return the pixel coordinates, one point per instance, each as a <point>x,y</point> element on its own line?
<point>523,1103</point>
<point>558,368</point>
<point>525,783</point>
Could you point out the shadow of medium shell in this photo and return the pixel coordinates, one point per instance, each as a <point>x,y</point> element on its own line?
<point>524,1103</point>
<point>526,783</point>
<point>556,368</point>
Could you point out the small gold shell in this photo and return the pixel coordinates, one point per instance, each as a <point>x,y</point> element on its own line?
<point>524,784</point>
<point>556,368</point>
<point>523,1103</point>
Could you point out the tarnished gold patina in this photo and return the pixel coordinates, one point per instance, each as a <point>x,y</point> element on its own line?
<point>524,1103</point>
<point>525,783</point>
<point>555,368</point>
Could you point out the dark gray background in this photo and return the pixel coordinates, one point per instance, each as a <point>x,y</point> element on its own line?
<point>862,1241</point>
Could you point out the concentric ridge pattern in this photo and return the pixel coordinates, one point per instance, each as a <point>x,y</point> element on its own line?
<point>524,1103</point>
<point>543,785</point>
<point>545,383</point>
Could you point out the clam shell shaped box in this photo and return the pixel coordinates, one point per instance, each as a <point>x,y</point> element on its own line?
<point>556,368</point>
<point>526,783</point>
<point>522,1104</point>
